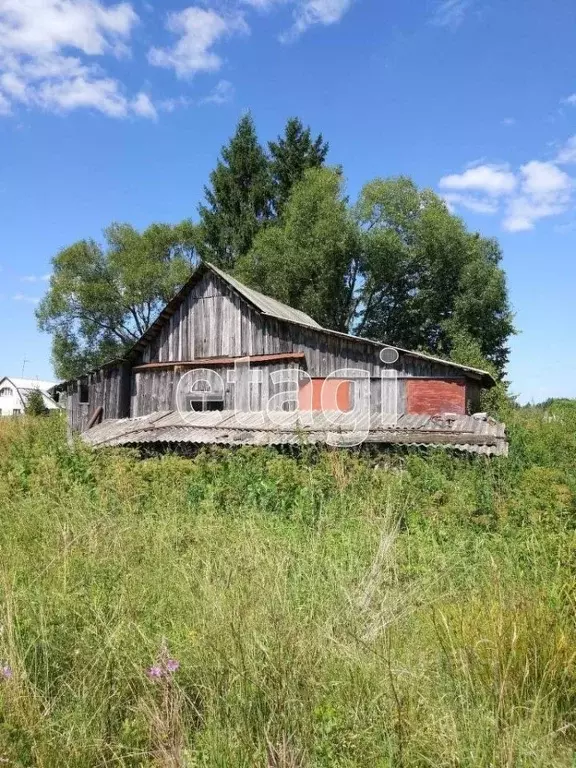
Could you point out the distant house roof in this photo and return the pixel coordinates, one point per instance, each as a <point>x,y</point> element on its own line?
<point>24,386</point>
<point>473,434</point>
<point>31,383</point>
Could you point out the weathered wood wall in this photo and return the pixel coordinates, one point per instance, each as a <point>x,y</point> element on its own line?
<point>156,390</point>
<point>214,321</point>
<point>108,387</point>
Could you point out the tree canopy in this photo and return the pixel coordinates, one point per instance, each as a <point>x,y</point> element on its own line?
<point>238,200</point>
<point>101,300</point>
<point>290,156</point>
<point>395,265</point>
<point>34,405</point>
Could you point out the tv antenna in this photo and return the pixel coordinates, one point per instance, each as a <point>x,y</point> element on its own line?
<point>24,365</point>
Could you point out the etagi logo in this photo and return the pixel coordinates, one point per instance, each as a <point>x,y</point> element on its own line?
<point>345,405</point>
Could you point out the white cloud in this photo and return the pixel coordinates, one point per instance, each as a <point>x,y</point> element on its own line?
<point>541,180</point>
<point>37,68</point>
<point>471,203</point>
<point>307,13</point>
<point>35,278</point>
<point>310,12</point>
<point>169,105</point>
<point>221,94</point>
<point>570,100</point>
<point>451,13</point>
<point>5,108</point>
<point>198,31</point>
<point>489,179</point>
<point>263,5</point>
<point>101,93</point>
<point>509,121</point>
<point>538,190</point>
<point>39,27</point>
<point>567,153</point>
<point>26,299</point>
<point>142,105</point>
<point>545,190</point>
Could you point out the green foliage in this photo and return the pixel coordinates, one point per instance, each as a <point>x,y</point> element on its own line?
<point>35,405</point>
<point>424,276</point>
<point>466,350</point>
<point>238,199</point>
<point>304,259</point>
<point>328,610</point>
<point>290,156</point>
<point>397,267</point>
<point>100,301</point>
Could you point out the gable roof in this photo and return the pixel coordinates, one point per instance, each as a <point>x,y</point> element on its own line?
<point>280,311</point>
<point>19,383</point>
<point>266,304</point>
<point>276,309</point>
<point>23,388</point>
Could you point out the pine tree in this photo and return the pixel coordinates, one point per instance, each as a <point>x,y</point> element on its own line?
<point>291,156</point>
<point>238,200</point>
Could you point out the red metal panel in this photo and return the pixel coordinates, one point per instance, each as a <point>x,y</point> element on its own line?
<point>432,396</point>
<point>325,394</point>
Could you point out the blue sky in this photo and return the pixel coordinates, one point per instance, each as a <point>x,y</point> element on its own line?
<point>116,112</point>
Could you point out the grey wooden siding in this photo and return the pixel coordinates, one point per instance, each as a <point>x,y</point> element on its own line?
<point>156,390</point>
<point>214,321</point>
<point>108,387</point>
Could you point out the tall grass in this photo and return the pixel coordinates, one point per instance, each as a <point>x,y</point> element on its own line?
<point>327,610</point>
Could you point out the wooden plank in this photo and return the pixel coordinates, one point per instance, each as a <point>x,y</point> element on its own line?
<point>219,361</point>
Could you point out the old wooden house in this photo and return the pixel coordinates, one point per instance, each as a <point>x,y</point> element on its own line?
<point>225,364</point>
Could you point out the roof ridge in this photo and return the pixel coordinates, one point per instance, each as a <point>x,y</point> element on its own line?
<point>266,304</point>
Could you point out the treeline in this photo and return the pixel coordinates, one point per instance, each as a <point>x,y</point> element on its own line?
<point>393,265</point>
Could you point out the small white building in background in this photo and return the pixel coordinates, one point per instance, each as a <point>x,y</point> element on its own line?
<point>14,393</point>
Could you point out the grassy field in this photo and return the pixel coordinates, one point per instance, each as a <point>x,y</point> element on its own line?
<point>251,609</point>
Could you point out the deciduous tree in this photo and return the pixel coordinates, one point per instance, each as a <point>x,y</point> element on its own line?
<point>397,267</point>
<point>304,259</point>
<point>101,300</point>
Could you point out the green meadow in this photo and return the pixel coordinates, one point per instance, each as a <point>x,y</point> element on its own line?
<point>251,608</point>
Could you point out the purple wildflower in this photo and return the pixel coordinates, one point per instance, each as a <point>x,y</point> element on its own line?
<point>172,665</point>
<point>154,673</point>
<point>6,672</point>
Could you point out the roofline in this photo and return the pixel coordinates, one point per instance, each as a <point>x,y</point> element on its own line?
<point>108,364</point>
<point>486,378</point>
<point>477,372</point>
<point>231,281</point>
<point>45,392</point>
<point>7,378</point>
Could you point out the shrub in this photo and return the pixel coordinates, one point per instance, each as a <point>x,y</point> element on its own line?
<point>35,405</point>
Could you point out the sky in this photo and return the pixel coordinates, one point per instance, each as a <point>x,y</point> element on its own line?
<point>117,112</point>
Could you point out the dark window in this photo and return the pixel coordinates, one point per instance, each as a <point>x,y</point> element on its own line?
<point>83,393</point>
<point>205,401</point>
<point>5,392</point>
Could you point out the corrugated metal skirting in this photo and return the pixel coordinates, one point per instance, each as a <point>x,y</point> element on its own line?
<point>465,433</point>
